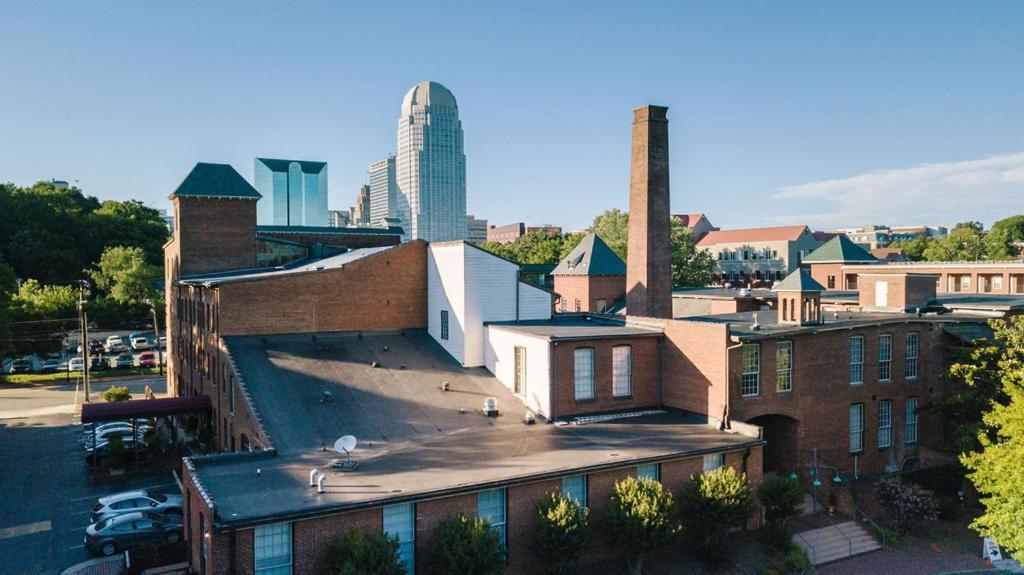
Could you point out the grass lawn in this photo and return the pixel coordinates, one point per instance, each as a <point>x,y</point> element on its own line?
<point>30,378</point>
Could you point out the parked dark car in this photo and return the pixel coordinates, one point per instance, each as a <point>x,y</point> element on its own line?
<point>125,361</point>
<point>50,366</point>
<point>95,347</point>
<point>124,531</point>
<point>21,366</point>
<point>99,363</point>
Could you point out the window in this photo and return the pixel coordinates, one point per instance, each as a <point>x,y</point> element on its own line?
<point>577,305</point>
<point>856,428</point>
<point>491,506</point>
<point>272,547</point>
<point>622,371</point>
<point>911,361</point>
<point>444,324</point>
<point>910,435</point>
<point>713,461</point>
<point>857,359</point>
<point>575,487</point>
<point>563,304</point>
<point>583,362</point>
<point>400,523</point>
<point>751,369</point>
<point>884,357</point>
<point>784,366</point>
<point>520,369</point>
<point>648,471</point>
<point>997,283</point>
<point>884,423</point>
<point>831,282</point>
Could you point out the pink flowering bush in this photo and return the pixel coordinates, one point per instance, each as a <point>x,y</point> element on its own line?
<point>907,504</point>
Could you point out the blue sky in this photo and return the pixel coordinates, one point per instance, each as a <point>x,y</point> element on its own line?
<point>825,113</point>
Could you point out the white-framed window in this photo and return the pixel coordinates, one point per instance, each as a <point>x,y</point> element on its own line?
<point>490,505</point>
<point>575,487</point>
<point>910,434</point>
<point>885,423</point>
<point>997,283</point>
<point>583,372</point>
<point>400,523</point>
<point>856,428</point>
<point>751,378</point>
<point>784,366</point>
<point>910,365</point>
<point>884,357</point>
<point>857,359</point>
<point>444,324</point>
<point>648,471</point>
<point>272,549</point>
<point>713,461</point>
<point>622,371</point>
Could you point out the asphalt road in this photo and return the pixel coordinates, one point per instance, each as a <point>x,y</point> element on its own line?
<point>50,398</point>
<point>45,494</point>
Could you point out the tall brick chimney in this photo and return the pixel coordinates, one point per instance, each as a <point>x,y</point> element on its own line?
<point>649,261</point>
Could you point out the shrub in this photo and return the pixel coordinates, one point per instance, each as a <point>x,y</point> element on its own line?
<point>641,518</point>
<point>465,545</point>
<point>781,498</point>
<point>906,504</point>
<point>152,440</point>
<point>713,503</point>
<point>115,455</point>
<point>561,532</point>
<point>115,393</point>
<point>794,561</point>
<point>359,552</point>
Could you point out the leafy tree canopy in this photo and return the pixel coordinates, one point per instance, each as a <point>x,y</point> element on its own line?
<point>715,502</point>
<point>561,532</point>
<point>125,274</point>
<point>359,552</point>
<point>465,545</point>
<point>36,301</point>
<point>641,518</point>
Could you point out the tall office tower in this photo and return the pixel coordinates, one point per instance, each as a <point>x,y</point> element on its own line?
<point>361,211</point>
<point>294,192</point>
<point>431,165</point>
<point>383,190</point>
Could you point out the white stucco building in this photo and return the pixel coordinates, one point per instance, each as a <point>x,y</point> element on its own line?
<point>431,165</point>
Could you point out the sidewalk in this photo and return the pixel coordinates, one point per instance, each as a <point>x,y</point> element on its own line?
<point>101,566</point>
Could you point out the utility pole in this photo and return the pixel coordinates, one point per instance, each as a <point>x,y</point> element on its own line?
<point>156,337</point>
<point>83,289</point>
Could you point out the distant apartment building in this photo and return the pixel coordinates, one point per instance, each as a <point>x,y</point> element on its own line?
<point>361,211</point>
<point>699,224</point>
<point>476,229</point>
<point>339,218</point>
<point>294,192</point>
<point>431,165</point>
<point>875,236</point>
<point>509,233</point>
<point>383,190</point>
<point>758,255</point>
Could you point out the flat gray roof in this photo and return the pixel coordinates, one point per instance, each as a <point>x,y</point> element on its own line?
<point>562,327</point>
<point>301,266</point>
<point>741,324</point>
<point>415,441</point>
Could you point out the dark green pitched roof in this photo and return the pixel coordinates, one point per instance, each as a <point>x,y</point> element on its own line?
<point>800,280</point>
<point>592,257</point>
<point>282,165</point>
<point>839,249</point>
<point>215,181</point>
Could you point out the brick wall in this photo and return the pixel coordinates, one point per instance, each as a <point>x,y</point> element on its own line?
<point>312,537</point>
<point>215,234</point>
<point>645,367</point>
<point>430,513</point>
<point>339,239</point>
<point>587,289</point>
<point>521,504</point>
<point>693,365</point>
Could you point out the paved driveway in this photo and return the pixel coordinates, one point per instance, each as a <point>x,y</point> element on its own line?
<point>45,495</point>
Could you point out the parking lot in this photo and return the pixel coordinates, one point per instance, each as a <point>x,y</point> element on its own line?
<point>108,356</point>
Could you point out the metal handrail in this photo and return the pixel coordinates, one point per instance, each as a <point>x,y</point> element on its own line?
<point>858,512</point>
<point>849,541</point>
<point>810,548</point>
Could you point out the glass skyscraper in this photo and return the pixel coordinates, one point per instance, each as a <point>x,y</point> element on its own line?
<point>383,190</point>
<point>294,192</point>
<point>431,165</point>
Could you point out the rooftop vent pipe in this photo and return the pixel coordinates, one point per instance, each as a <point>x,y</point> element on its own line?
<point>491,407</point>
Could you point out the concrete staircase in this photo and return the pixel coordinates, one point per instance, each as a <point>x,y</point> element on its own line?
<point>834,542</point>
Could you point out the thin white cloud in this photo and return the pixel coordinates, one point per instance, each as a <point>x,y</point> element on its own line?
<point>985,190</point>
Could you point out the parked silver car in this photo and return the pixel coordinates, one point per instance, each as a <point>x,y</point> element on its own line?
<point>134,501</point>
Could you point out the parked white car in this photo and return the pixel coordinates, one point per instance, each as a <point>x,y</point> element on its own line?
<point>115,344</point>
<point>140,343</point>
<point>76,364</point>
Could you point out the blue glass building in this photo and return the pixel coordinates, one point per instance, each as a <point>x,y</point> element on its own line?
<point>294,192</point>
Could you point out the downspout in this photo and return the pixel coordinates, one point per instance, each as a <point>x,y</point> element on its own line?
<point>746,454</point>
<point>728,380</point>
<point>552,379</point>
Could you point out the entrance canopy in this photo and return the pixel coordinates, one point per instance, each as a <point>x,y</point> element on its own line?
<point>140,408</point>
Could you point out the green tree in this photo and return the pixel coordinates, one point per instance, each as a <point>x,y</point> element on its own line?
<point>780,497</point>
<point>124,273</point>
<point>965,242</point>
<point>713,503</point>
<point>8,287</point>
<point>641,518</point>
<point>613,227</point>
<point>359,552</point>
<point>691,267</point>
<point>116,393</point>
<point>465,545</point>
<point>131,223</point>
<point>37,301</point>
<point>915,248</point>
<point>561,532</point>
<point>976,376</point>
<point>997,469</point>
<point>1002,239</point>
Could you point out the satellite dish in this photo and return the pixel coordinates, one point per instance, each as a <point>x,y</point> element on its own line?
<point>345,444</point>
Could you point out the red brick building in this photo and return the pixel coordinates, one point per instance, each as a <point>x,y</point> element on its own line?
<point>592,278</point>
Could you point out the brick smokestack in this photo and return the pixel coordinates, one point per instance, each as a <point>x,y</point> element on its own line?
<point>649,261</point>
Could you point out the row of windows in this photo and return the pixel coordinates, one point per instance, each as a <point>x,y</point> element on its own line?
<point>751,254</point>
<point>750,375</point>
<point>885,439</point>
<point>583,372</point>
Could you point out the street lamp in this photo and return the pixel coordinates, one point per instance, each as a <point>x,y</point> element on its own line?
<point>83,292</point>
<point>156,336</point>
<point>816,481</point>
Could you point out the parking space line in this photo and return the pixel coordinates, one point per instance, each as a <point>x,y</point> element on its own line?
<point>25,529</point>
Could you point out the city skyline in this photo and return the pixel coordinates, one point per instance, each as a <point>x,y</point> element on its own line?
<point>769,131</point>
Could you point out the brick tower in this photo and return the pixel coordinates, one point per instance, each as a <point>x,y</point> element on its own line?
<point>649,260</point>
